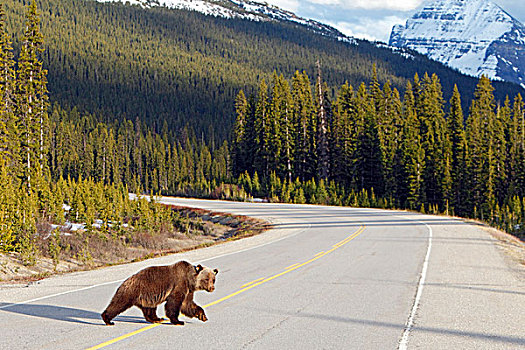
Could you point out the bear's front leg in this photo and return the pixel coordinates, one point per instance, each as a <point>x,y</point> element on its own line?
<point>199,313</point>
<point>172,307</point>
<point>190,309</point>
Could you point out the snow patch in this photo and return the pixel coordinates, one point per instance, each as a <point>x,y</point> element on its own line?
<point>250,10</point>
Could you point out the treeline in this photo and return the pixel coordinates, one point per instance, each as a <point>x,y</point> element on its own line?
<point>178,68</point>
<point>42,184</point>
<point>371,145</point>
<point>131,153</point>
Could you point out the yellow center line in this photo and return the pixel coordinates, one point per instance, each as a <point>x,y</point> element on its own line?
<point>289,267</point>
<point>243,289</point>
<point>252,282</point>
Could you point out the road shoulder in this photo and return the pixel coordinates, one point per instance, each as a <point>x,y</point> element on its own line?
<point>473,295</point>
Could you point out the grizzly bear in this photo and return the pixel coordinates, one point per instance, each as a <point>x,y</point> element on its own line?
<point>173,284</point>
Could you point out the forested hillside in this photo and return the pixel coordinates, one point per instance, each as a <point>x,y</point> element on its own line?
<point>294,140</point>
<point>67,170</point>
<point>172,68</point>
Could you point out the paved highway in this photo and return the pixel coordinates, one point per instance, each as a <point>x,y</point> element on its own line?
<point>323,278</point>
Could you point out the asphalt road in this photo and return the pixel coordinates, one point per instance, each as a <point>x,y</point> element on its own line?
<point>323,278</point>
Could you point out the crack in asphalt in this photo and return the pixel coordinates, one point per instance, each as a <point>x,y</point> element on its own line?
<point>269,329</point>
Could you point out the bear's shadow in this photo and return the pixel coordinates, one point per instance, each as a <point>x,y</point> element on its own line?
<point>67,314</point>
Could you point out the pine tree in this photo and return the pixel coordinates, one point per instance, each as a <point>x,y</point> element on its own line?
<point>9,143</point>
<point>8,208</point>
<point>323,128</point>
<point>32,98</point>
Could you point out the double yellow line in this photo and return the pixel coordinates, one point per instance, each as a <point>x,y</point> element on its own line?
<point>244,287</point>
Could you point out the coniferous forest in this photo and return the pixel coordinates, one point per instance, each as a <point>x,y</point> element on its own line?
<point>58,166</point>
<point>174,68</point>
<point>370,144</point>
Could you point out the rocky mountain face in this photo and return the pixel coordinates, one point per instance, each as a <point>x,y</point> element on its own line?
<point>247,9</point>
<point>477,37</point>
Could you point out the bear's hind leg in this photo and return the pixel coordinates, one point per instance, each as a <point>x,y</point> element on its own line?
<point>150,314</point>
<point>114,308</point>
<point>172,307</point>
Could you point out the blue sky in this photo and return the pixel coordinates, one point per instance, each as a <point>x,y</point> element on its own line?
<point>371,19</point>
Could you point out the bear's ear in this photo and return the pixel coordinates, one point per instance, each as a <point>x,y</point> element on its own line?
<point>198,269</point>
<point>216,271</point>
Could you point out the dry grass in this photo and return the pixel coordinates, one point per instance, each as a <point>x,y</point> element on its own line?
<point>88,250</point>
<point>513,247</point>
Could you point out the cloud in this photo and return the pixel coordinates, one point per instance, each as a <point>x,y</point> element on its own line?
<point>396,5</point>
<point>374,29</point>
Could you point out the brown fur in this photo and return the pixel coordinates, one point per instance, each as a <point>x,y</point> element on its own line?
<point>173,284</point>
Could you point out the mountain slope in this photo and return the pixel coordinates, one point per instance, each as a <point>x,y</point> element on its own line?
<point>173,68</point>
<point>475,36</point>
<point>250,10</point>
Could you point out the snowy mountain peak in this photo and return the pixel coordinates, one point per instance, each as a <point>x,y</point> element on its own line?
<point>244,9</point>
<point>476,37</point>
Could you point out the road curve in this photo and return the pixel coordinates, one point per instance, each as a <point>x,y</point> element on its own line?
<point>323,278</point>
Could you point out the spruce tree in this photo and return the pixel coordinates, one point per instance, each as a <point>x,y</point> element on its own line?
<point>274,120</point>
<point>303,115</point>
<point>516,146</point>
<point>456,131</point>
<point>239,142</point>
<point>262,131</point>
<point>284,132</point>
<point>342,133</point>
<point>368,152</point>
<point>434,137</point>
<point>413,154</point>
<point>389,130</point>
<point>480,146</point>
<point>500,139</point>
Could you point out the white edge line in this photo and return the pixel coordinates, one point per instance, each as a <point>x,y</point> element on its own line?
<point>117,281</point>
<point>403,343</point>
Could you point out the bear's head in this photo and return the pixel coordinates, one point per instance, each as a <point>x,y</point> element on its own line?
<point>205,278</point>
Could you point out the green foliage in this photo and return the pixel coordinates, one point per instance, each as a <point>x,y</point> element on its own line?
<point>8,207</point>
<point>389,153</point>
<point>54,247</point>
<point>381,151</point>
<point>72,160</point>
<point>178,68</point>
